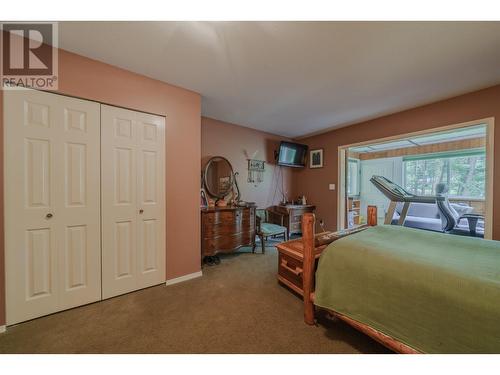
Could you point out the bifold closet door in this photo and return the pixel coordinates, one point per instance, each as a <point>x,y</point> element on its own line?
<point>52,222</point>
<point>133,200</point>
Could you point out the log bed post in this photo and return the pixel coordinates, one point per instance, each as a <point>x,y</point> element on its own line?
<point>308,223</point>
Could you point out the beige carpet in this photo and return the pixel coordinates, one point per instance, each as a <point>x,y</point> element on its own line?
<point>236,307</point>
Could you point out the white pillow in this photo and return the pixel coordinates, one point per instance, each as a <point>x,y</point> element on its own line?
<point>462,208</point>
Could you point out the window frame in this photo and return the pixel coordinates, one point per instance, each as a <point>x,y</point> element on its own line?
<point>358,177</point>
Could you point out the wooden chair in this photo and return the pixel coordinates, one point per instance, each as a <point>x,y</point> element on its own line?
<point>266,229</point>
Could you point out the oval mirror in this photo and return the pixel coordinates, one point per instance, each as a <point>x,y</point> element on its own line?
<point>218,177</point>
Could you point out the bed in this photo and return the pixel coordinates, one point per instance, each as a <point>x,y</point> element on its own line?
<point>413,291</point>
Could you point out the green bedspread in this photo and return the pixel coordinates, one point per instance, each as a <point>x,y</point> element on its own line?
<point>434,292</point>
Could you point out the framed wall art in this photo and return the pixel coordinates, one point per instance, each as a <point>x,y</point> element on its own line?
<point>316,158</point>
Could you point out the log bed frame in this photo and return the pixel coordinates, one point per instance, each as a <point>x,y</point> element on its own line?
<point>308,235</point>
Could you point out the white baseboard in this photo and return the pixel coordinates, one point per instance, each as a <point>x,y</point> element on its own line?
<point>184,278</point>
<point>2,329</point>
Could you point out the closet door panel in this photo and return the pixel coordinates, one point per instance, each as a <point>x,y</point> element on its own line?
<point>133,205</point>
<point>151,199</point>
<point>38,187</point>
<point>119,202</point>
<point>30,242</point>
<point>79,202</point>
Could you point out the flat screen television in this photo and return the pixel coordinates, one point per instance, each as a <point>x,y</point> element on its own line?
<point>292,154</point>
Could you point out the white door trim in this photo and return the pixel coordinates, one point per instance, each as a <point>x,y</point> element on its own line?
<point>341,201</point>
<point>490,160</point>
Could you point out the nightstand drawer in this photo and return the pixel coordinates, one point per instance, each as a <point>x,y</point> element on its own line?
<point>290,269</point>
<point>291,257</point>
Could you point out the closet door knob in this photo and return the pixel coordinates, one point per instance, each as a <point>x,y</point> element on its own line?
<point>49,215</point>
<point>141,211</point>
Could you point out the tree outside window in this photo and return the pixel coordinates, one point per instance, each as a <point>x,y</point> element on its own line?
<point>464,173</point>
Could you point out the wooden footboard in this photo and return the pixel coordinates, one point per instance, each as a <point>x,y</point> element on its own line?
<point>308,236</point>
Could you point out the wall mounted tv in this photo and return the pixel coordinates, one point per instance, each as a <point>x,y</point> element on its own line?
<point>292,154</point>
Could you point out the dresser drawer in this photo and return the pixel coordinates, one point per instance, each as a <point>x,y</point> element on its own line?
<point>296,227</point>
<point>248,224</point>
<point>248,237</point>
<point>222,217</point>
<point>221,229</point>
<point>223,244</point>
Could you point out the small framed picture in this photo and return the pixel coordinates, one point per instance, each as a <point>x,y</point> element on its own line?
<point>316,158</point>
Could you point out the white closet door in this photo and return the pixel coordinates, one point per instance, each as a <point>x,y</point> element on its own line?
<point>133,200</point>
<point>151,227</point>
<point>79,202</point>
<point>51,184</point>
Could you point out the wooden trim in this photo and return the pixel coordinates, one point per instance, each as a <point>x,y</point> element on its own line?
<point>353,155</point>
<point>464,144</point>
<point>296,271</point>
<point>292,286</point>
<point>378,336</point>
<point>308,222</point>
<point>490,161</point>
<point>486,120</point>
<point>461,199</point>
<point>298,256</point>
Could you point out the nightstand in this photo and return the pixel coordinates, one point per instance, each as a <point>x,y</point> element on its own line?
<point>291,256</point>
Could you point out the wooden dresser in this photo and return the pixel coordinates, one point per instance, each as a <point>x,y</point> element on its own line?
<point>226,229</point>
<point>292,216</point>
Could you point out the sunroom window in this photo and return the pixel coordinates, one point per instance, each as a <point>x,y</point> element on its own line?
<point>464,172</point>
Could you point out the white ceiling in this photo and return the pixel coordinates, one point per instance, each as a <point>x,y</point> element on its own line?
<point>298,78</point>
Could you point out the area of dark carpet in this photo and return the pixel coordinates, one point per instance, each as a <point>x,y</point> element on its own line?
<point>235,307</point>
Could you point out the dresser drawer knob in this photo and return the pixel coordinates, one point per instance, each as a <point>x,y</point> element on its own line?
<point>296,271</point>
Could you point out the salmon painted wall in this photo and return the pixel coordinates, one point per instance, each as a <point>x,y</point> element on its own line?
<point>237,144</point>
<point>473,106</point>
<point>89,79</point>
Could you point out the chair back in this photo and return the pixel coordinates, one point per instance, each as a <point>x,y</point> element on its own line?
<point>447,211</point>
<point>261,214</point>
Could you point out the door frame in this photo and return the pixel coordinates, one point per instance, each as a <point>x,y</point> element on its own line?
<point>490,135</point>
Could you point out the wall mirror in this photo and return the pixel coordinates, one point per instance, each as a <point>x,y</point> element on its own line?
<point>218,177</point>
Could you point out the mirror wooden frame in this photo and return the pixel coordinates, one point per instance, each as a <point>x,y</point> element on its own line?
<point>207,187</point>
